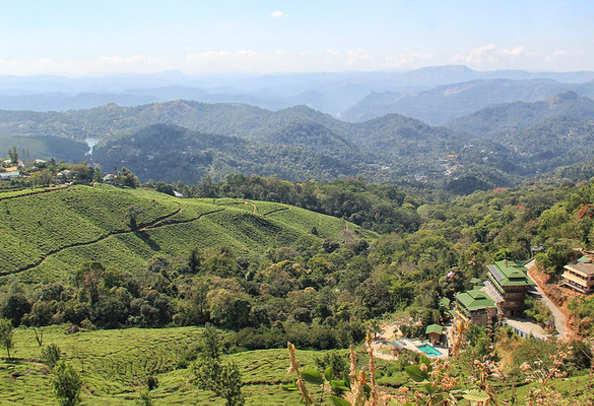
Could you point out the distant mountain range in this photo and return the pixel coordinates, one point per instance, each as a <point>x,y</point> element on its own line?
<point>432,94</point>
<point>443,103</point>
<point>496,132</point>
<point>186,140</point>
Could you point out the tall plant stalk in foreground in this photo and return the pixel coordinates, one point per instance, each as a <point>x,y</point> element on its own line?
<point>357,388</point>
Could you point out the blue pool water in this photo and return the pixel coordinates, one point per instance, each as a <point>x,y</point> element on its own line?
<point>427,349</point>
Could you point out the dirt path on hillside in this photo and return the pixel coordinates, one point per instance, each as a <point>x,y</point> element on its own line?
<point>276,211</point>
<point>156,221</point>
<point>253,206</point>
<point>58,188</point>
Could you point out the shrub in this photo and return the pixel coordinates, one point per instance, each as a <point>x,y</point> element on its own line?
<point>67,384</point>
<point>51,355</point>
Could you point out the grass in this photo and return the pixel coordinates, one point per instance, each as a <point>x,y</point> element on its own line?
<point>48,235</point>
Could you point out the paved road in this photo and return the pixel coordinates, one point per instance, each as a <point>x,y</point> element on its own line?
<point>558,316</point>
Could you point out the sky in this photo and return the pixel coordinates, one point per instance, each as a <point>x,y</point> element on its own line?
<point>84,37</point>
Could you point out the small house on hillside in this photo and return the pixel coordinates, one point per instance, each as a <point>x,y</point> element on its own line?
<point>475,306</point>
<point>9,175</point>
<point>580,276</point>
<point>109,178</point>
<point>508,286</point>
<point>434,332</point>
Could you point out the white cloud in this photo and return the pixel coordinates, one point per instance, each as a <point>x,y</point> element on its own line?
<point>355,57</point>
<point>559,53</point>
<point>278,14</point>
<point>489,55</point>
<point>406,60</point>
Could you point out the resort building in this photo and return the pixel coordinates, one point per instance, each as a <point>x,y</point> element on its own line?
<point>508,285</point>
<point>580,276</point>
<point>435,333</point>
<point>475,306</point>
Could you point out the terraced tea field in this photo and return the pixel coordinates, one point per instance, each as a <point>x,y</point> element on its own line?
<point>114,365</point>
<point>48,234</point>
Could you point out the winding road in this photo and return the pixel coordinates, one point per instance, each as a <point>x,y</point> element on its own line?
<point>558,316</point>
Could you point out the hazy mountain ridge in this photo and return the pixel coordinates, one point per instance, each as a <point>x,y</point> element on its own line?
<point>354,96</point>
<point>490,121</point>
<point>443,103</point>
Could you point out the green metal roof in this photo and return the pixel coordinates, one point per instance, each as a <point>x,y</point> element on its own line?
<point>475,300</point>
<point>434,328</point>
<point>475,281</point>
<point>445,302</point>
<point>507,273</point>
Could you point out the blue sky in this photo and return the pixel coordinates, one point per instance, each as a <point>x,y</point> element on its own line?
<point>260,36</point>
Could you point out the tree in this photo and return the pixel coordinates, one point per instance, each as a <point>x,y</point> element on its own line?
<point>88,278</point>
<point>195,260</point>
<point>15,308</point>
<point>125,177</point>
<point>67,384</point>
<point>14,155</point>
<point>132,214</point>
<point>43,178</point>
<point>210,374</point>
<point>82,172</point>
<point>6,335</point>
<point>164,188</point>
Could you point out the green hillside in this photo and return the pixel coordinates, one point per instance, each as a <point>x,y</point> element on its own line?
<point>494,121</point>
<point>170,153</point>
<point>53,232</point>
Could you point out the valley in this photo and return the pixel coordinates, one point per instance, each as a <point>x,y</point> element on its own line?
<point>189,228</point>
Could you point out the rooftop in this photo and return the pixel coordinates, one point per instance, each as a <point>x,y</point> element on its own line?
<point>434,328</point>
<point>508,273</point>
<point>444,301</point>
<point>475,300</point>
<point>581,267</point>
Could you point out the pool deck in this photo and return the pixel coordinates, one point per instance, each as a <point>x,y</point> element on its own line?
<point>384,343</point>
<point>413,345</point>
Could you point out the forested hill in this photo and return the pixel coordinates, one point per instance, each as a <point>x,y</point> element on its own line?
<point>108,120</point>
<point>189,140</point>
<point>502,118</point>
<point>170,153</point>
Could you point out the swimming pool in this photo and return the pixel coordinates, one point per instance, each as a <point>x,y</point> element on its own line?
<point>427,349</point>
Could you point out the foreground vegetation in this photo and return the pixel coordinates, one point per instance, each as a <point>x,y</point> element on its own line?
<point>117,366</point>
